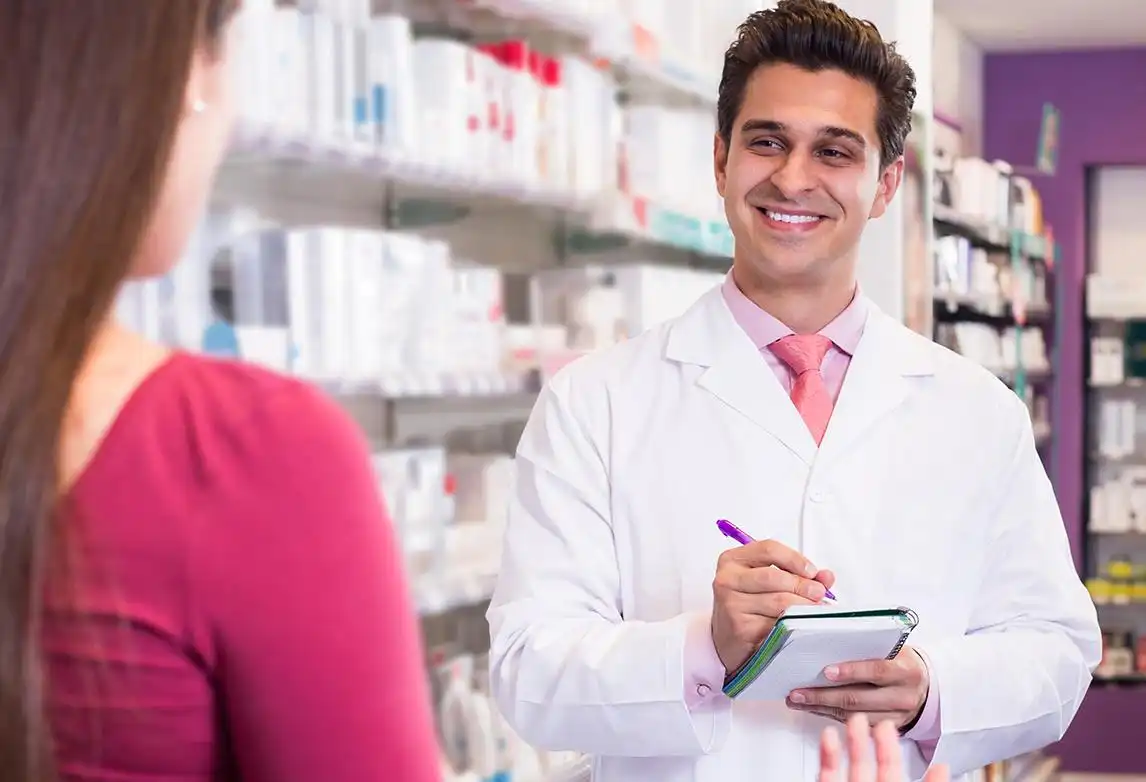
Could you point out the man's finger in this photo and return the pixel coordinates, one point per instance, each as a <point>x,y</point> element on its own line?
<point>762,553</point>
<point>854,698</point>
<point>860,760</point>
<point>762,580</point>
<point>888,756</point>
<point>773,604</point>
<point>838,715</point>
<point>884,673</point>
<point>831,752</point>
<point>827,578</point>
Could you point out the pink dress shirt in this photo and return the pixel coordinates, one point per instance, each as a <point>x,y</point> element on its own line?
<point>704,671</point>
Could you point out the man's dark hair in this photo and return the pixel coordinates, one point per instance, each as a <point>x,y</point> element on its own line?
<point>817,35</point>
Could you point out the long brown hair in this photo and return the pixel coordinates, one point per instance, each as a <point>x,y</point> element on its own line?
<point>91,97</point>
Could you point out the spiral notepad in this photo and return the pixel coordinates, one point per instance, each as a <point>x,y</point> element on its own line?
<point>808,639</point>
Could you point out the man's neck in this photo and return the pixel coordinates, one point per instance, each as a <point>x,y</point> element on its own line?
<point>804,309</point>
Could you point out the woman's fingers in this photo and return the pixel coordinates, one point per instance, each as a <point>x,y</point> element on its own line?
<point>831,756</point>
<point>938,774</point>
<point>888,757</point>
<point>885,764</point>
<point>860,761</point>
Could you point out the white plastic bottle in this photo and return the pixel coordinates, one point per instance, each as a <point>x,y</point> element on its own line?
<point>557,129</point>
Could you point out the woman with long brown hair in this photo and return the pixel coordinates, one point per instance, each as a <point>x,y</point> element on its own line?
<point>198,580</point>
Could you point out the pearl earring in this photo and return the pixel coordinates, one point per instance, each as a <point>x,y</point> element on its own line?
<point>198,107</point>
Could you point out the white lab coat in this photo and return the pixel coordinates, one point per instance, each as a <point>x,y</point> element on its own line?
<point>927,492</point>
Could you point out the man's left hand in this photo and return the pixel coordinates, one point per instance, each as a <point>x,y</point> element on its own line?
<point>893,690</point>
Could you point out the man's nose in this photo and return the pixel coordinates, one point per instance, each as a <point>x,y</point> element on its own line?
<point>795,177</point>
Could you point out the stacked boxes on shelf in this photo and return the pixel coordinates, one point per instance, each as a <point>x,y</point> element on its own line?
<point>994,281</point>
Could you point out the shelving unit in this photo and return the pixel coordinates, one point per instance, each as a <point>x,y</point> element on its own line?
<point>1035,767</point>
<point>1113,513</point>
<point>993,319</point>
<point>293,187</point>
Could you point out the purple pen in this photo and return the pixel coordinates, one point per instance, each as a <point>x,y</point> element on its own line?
<point>730,530</point>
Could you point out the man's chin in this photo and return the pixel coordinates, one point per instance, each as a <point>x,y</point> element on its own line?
<point>787,265</point>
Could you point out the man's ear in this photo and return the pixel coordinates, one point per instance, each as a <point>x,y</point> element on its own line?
<point>720,163</point>
<point>889,182</point>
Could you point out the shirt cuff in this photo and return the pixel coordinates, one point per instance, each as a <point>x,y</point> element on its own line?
<point>703,671</point>
<point>927,728</point>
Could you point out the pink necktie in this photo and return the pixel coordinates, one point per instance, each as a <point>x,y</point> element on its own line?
<point>803,353</point>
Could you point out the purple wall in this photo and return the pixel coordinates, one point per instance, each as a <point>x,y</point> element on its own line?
<point>1102,97</point>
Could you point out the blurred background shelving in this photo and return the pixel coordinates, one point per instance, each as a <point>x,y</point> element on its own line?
<point>994,294</point>
<point>427,209</point>
<point>1115,409</point>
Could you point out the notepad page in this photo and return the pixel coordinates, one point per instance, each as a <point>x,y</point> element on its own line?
<point>844,624</point>
<point>805,655</point>
<point>823,610</point>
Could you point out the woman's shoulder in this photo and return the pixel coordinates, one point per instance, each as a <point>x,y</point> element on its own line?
<point>205,423</point>
<point>250,409</point>
<point>230,386</point>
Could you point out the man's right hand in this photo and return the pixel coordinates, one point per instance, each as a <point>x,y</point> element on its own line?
<point>754,585</point>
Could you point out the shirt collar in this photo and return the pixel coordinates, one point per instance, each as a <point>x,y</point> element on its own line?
<point>763,329</point>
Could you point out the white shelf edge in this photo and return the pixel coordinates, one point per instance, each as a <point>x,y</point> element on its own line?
<point>566,21</point>
<point>264,144</point>
<point>610,40</point>
<point>461,590</point>
<point>267,148</point>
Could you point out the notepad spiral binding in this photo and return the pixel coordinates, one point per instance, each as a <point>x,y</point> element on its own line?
<point>911,620</point>
<point>898,647</point>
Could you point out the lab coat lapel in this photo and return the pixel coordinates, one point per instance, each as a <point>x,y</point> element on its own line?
<point>878,381</point>
<point>735,372</point>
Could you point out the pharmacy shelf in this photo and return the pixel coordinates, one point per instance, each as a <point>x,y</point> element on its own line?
<point>645,72</point>
<point>266,163</point>
<point>968,306</point>
<point>1128,680</point>
<point>979,232</point>
<point>640,219</point>
<point>458,590</point>
<point>425,415</point>
<point>414,387</point>
<point>660,81</point>
<point>1038,769</point>
<point>558,19</point>
<point>1022,258</point>
<point>418,419</point>
<point>298,180</point>
<point>1032,374</point>
<point>458,564</point>
<point>988,235</point>
<point>579,770</point>
<point>992,310</point>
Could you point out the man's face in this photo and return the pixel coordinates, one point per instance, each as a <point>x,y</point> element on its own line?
<point>801,175</point>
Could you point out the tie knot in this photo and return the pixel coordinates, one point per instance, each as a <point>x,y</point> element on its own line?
<point>801,352</point>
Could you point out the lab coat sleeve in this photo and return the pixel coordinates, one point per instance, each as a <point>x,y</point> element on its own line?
<point>567,670</point>
<point>1013,683</point>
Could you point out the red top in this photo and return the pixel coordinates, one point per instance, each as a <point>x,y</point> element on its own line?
<point>242,609</point>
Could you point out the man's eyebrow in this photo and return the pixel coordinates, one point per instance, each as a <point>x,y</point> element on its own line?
<point>831,131</point>
<point>844,133</point>
<point>769,125</point>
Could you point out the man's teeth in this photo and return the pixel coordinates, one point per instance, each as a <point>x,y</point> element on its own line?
<point>782,217</point>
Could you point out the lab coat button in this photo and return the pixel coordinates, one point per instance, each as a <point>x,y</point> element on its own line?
<point>817,496</point>
<point>703,690</point>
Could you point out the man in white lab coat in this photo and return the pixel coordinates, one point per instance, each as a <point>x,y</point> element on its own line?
<point>861,458</point>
